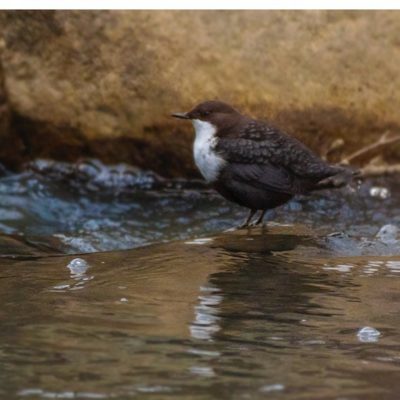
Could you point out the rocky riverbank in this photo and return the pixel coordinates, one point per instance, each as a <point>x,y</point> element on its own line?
<point>101,84</point>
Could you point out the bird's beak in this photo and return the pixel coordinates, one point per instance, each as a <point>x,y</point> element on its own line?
<point>180,115</point>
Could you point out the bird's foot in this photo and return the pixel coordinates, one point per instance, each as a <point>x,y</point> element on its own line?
<point>244,225</point>
<point>252,225</point>
<point>259,220</point>
<point>262,225</point>
<point>255,223</point>
<point>232,229</point>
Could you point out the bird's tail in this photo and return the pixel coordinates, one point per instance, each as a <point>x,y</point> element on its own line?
<point>342,177</point>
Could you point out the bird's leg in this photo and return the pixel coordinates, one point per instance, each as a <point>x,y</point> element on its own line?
<point>246,223</point>
<point>259,220</point>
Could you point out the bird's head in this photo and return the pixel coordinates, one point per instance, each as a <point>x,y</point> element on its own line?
<point>213,112</point>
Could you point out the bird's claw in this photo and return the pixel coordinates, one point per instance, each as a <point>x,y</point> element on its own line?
<point>243,226</point>
<point>254,224</point>
<point>250,225</point>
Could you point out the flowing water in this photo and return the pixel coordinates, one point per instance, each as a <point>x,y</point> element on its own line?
<point>304,309</point>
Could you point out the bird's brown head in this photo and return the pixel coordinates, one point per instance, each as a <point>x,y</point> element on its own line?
<point>210,111</point>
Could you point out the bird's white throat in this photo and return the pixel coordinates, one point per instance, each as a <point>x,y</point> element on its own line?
<point>208,161</point>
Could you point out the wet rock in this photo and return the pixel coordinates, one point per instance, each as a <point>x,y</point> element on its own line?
<point>267,240</point>
<point>93,175</point>
<point>385,243</point>
<point>11,148</point>
<point>102,83</point>
<point>18,246</point>
<point>277,238</point>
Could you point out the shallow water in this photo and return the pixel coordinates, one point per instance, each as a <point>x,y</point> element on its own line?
<point>90,207</point>
<point>290,312</point>
<point>240,317</point>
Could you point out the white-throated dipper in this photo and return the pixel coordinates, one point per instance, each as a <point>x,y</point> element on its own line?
<point>254,164</point>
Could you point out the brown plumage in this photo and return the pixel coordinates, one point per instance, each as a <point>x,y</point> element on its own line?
<point>253,163</point>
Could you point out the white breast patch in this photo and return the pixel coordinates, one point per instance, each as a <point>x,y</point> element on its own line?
<point>206,158</point>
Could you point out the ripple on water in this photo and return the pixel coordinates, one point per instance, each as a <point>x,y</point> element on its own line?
<point>78,268</point>
<point>180,321</point>
<point>276,387</point>
<point>61,395</point>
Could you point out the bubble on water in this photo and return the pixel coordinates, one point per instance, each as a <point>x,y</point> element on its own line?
<point>379,192</point>
<point>367,334</point>
<point>78,267</point>
<point>388,234</point>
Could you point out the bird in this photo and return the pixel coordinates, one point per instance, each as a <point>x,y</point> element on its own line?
<point>253,163</point>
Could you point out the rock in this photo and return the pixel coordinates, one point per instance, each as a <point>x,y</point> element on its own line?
<point>16,246</point>
<point>10,144</point>
<point>102,83</point>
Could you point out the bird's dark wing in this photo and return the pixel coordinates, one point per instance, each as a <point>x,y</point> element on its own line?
<point>266,177</point>
<point>260,143</point>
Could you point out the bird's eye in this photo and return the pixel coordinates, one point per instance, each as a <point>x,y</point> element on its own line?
<point>206,112</point>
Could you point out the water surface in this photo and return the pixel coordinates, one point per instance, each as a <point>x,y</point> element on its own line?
<point>304,309</point>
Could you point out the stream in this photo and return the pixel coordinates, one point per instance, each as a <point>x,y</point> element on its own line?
<point>118,284</point>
